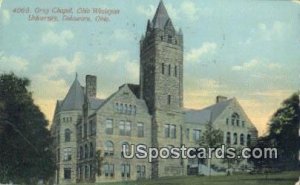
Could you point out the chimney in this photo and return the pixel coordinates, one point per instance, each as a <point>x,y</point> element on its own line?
<point>221,99</point>
<point>91,85</point>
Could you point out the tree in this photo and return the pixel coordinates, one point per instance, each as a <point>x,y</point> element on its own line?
<point>283,131</point>
<point>212,138</point>
<point>25,155</point>
<point>283,135</point>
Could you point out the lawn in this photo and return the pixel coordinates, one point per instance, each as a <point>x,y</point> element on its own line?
<point>285,178</point>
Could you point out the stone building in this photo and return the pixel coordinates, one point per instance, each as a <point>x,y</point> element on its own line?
<point>89,132</point>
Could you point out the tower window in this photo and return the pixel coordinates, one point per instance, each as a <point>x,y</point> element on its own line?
<point>67,173</point>
<point>163,68</point>
<point>67,154</point>
<point>169,70</point>
<point>67,135</point>
<point>169,38</point>
<point>169,99</point>
<point>175,71</point>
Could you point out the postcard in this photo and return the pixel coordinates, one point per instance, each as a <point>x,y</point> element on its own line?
<point>143,92</point>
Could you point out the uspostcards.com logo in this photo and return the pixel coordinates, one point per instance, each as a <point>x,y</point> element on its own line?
<point>143,152</point>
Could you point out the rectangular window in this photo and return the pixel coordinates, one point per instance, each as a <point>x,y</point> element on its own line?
<point>167,130</point>
<point>67,173</point>
<point>140,129</point>
<point>175,71</point>
<point>227,121</point>
<point>67,154</point>
<point>169,70</point>
<point>187,133</point>
<point>196,135</point>
<point>172,131</point>
<point>122,128</point>
<point>163,68</point>
<point>125,170</point>
<point>169,99</point>
<point>141,171</point>
<point>108,170</point>
<point>128,129</point>
<point>109,126</point>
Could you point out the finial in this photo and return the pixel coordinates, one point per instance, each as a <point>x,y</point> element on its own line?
<point>76,76</point>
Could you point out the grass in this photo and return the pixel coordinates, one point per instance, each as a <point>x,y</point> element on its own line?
<point>284,178</point>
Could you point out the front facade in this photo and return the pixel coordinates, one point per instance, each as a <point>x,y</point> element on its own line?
<point>89,132</point>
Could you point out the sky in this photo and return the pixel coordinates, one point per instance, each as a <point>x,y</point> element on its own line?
<point>243,49</point>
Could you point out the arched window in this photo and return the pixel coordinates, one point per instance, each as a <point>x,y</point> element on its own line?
<point>235,139</point>
<point>86,151</point>
<point>228,138</point>
<point>108,148</point>
<point>242,139</point>
<point>248,140</point>
<point>67,135</point>
<point>235,119</point>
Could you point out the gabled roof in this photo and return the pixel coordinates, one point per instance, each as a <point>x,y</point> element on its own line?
<point>74,99</point>
<point>132,87</point>
<point>161,16</point>
<point>206,115</point>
